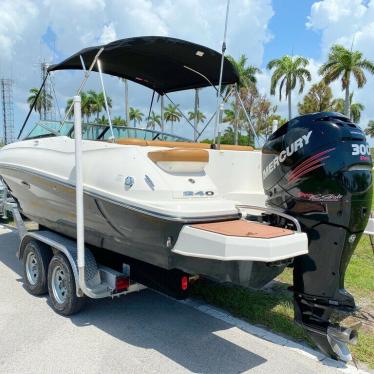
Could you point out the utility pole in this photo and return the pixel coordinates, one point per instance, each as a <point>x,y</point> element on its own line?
<point>6,86</point>
<point>47,106</point>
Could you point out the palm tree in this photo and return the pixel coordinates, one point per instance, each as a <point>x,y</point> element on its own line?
<point>172,115</point>
<point>318,99</point>
<point>102,120</point>
<point>234,117</point>
<point>97,102</point>
<point>247,80</point>
<point>135,115</point>
<point>289,71</point>
<point>229,115</point>
<point>118,121</point>
<point>228,136</point>
<point>154,119</point>
<point>86,106</point>
<point>247,74</point>
<point>231,118</point>
<point>43,103</point>
<point>197,117</point>
<point>355,109</point>
<point>343,63</point>
<point>370,129</point>
<point>69,103</point>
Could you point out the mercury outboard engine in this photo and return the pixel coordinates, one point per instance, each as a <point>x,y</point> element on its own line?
<point>317,168</point>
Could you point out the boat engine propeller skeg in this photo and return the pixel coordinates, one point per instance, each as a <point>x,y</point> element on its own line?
<point>317,168</point>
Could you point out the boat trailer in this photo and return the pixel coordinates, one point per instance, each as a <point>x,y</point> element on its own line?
<point>101,281</point>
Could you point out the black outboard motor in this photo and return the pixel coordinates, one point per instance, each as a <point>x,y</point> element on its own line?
<point>317,168</point>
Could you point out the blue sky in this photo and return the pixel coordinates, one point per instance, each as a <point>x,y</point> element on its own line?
<point>32,30</point>
<point>290,34</point>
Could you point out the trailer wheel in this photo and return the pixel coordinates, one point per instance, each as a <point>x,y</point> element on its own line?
<point>61,287</point>
<point>36,258</point>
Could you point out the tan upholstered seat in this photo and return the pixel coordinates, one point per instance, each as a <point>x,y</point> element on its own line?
<point>244,229</point>
<point>179,154</point>
<point>167,144</point>
<point>164,143</point>
<point>230,147</point>
<point>132,141</point>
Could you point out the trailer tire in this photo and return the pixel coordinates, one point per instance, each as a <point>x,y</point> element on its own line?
<point>36,258</point>
<point>61,287</point>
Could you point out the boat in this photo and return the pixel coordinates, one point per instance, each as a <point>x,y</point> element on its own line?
<point>229,213</point>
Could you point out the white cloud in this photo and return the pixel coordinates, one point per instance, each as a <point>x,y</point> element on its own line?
<point>13,23</point>
<point>327,12</point>
<point>350,23</point>
<point>108,34</point>
<point>82,23</point>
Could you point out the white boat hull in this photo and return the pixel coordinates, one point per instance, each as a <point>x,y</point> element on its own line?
<point>148,221</point>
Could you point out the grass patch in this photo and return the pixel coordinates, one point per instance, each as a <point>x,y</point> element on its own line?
<point>364,350</point>
<point>273,308</point>
<point>359,278</point>
<point>274,311</point>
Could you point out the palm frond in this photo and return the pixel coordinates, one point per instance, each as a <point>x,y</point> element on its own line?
<point>273,63</point>
<point>284,80</point>
<point>359,75</point>
<point>367,65</point>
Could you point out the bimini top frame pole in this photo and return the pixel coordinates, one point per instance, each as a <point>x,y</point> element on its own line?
<point>86,76</point>
<point>214,114</point>
<point>32,106</point>
<point>246,115</point>
<point>105,100</point>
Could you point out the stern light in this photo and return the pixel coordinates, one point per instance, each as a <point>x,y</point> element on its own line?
<point>122,284</point>
<point>184,283</point>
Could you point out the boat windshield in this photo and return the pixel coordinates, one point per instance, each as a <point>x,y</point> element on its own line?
<point>99,132</point>
<point>44,129</point>
<point>102,132</point>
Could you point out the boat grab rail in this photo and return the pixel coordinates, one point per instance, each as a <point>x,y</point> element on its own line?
<point>271,211</point>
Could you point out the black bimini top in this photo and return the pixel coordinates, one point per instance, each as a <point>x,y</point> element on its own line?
<point>160,63</point>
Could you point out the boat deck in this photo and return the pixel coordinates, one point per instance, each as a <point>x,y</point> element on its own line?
<point>244,229</point>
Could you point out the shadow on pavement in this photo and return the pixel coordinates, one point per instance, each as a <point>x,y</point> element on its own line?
<point>152,321</point>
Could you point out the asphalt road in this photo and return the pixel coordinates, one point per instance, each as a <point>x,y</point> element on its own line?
<point>140,333</point>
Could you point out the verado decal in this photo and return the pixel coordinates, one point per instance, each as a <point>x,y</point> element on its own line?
<point>289,151</point>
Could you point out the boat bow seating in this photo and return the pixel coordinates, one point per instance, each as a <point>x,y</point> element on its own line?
<point>240,240</point>
<point>179,154</point>
<point>180,160</point>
